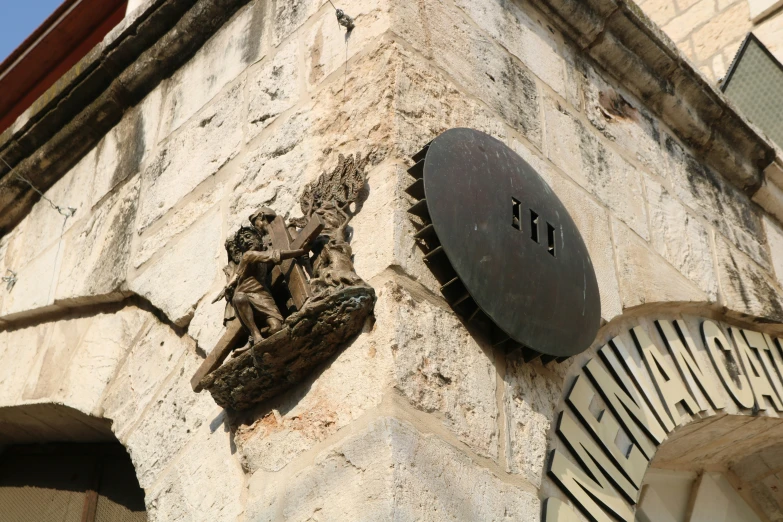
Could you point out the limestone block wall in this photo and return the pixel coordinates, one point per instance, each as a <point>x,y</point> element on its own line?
<point>418,416</point>
<point>709,32</point>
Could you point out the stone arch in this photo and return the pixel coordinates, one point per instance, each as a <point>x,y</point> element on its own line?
<point>56,461</point>
<point>50,422</point>
<point>657,382</point>
<point>127,367</point>
<point>736,451</point>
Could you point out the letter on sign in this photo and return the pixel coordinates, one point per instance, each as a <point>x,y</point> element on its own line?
<point>753,369</point>
<point>666,378</point>
<point>737,385</point>
<point>583,490</point>
<point>632,411</point>
<point>689,367</point>
<point>605,428</point>
<point>643,382</point>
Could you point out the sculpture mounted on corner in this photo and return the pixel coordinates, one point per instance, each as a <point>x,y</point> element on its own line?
<point>292,291</point>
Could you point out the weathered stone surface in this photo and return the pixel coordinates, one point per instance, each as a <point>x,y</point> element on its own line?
<point>353,481</point>
<point>772,456</point>
<point>378,230</point>
<point>513,27</point>
<point>308,338</point>
<point>125,149</point>
<point>645,277</point>
<point>70,361</point>
<point>624,121</point>
<point>747,288</point>
<point>147,366</point>
<point>338,393</point>
<point>265,491</point>
<point>600,170</point>
<point>446,371</point>
<point>192,154</point>
<point>775,243</point>
<point>34,289</point>
<point>205,484</point>
<point>239,43</point>
<point>273,88</point>
<point>329,46</point>
<point>592,220</point>
<point>711,196</point>
<point>289,15</point>
<point>207,324</point>
<point>427,103</point>
<point>44,225</point>
<point>751,468</point>
<point>681,239</point>
<point>18,351</point>
<point>96,254</point>
<point>436,481</point>
<point>177,281</point>
<point>53,357</point>
<point>277,171</point>
<point>393,472</point>
<point>769,196</point>
<point>682,26</point>
<point>473,60</point>
<point>660,11</point>
<point>95,363</point>
<point>769,32</point>
<point>189,210</point>
<point>383,233</point>
<point>767,498</point>
<point>722,31</point>
<point>532,395</point>
<point>169,425</point>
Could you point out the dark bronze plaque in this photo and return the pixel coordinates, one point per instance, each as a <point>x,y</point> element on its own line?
<point>503,244</point>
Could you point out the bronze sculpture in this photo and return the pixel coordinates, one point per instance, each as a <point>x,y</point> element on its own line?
<point>247,290</point>
<point>292,288</point>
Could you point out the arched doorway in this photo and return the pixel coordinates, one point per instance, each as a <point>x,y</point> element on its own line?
<point>57,464</point>
<point>716,470</point>
<point>692,496</point>
<point>670,419</point>
<point>723,468</point>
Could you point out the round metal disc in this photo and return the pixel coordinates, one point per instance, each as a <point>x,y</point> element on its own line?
<point>512,243</point>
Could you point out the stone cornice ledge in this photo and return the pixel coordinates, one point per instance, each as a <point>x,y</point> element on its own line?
<point>622,40</point>
<point>70,118</point>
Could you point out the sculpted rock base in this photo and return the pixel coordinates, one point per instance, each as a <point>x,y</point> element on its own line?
<point>308,338</point>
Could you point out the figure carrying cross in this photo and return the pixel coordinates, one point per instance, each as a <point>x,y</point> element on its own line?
<point>269,264</point>
<point>247,289</point>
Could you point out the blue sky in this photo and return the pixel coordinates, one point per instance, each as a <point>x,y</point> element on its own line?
<point>19,18</point>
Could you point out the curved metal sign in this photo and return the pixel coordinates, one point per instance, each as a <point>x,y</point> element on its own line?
<point>650,380</point>
<point>510,242</point>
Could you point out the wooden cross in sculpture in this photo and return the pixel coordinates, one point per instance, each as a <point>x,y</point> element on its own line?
<point>289,271</point>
